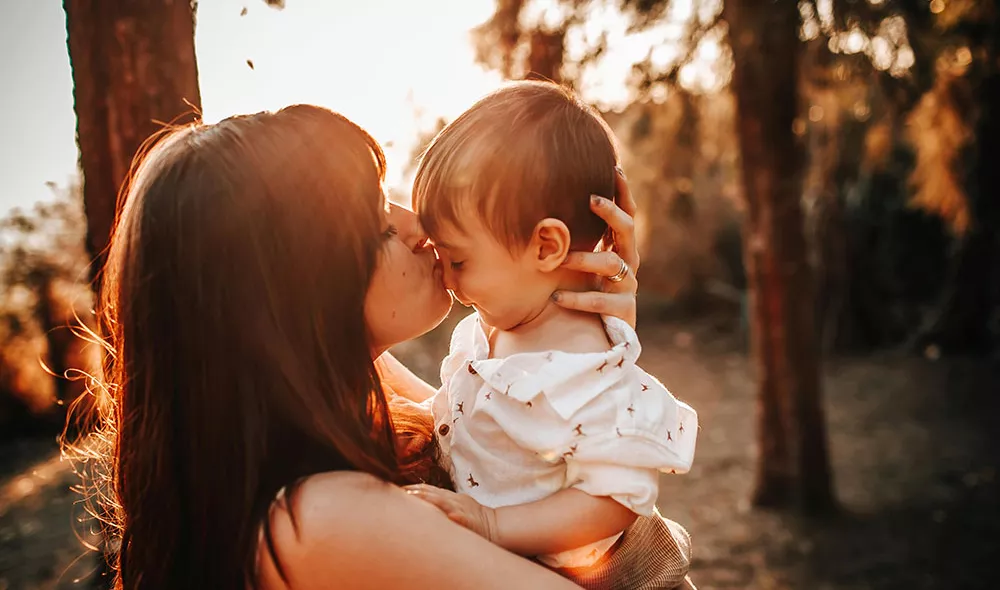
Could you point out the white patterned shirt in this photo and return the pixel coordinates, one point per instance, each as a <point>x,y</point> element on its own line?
<point>519,429</point>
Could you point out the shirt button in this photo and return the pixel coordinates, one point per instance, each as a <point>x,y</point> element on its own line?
<point>444,429</point>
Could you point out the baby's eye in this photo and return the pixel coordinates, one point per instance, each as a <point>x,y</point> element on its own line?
<point>455,265</point>
<point>390,231</point>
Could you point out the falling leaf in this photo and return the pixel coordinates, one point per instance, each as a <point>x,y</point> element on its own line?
<point>244,11</point>
<point>250,63</point>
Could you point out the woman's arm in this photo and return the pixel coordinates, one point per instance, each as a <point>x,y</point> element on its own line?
<point>566,520</point>
<point>402,380</point>
<point>356,532</point>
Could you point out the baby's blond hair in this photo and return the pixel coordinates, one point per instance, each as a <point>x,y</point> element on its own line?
<point>528,151</point>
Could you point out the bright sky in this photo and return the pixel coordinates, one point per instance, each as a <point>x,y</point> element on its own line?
<point>389,65</point>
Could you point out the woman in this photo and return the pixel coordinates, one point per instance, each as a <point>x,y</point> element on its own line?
<point>254,274</point>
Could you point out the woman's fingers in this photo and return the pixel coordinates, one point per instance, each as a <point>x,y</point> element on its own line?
<point>624,195</point>
<point>439,498</point>
<point>621,305</point>
<point>617,299</point>
<point>623,227</point>
<point>604,264</point>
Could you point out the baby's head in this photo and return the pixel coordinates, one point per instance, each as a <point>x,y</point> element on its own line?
<point>504,192</point>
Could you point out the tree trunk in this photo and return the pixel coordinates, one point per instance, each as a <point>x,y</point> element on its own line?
<point>969,320</point>
<point>545,56</point>
<point>989,181</point>
<point>133,70</point>
<point>793,463</point>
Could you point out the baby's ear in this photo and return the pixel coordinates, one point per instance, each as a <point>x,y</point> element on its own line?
<point>549,244</point>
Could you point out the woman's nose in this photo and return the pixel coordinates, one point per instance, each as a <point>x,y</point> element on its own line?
<point>423,242</point>
<point>409,226</point>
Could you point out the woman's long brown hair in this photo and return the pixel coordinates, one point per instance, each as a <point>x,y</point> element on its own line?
<point>233,310</point>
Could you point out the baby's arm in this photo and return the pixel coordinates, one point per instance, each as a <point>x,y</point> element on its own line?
<point>563,521</point>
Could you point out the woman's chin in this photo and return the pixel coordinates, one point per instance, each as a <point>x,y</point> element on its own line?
<point>437,310</point>
<point>443,310</point>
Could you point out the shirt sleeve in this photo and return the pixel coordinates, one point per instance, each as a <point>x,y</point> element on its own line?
<point>459,349</point>
<point>634,488</point>
<point>636,430</point>
<point>629,429</point>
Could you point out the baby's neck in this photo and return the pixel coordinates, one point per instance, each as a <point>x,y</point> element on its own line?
<point>553,328</point>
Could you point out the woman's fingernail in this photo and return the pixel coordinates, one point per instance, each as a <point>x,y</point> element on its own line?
<point>555,296</point>
<point>596,200</point>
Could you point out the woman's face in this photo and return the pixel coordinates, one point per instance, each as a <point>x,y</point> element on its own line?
<point>406,297</point>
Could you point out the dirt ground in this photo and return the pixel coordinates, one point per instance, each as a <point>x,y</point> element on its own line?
<point>915,447</point>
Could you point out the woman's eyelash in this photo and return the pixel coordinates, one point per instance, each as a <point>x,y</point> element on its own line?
<point>390,231</point>
<point>457,265</point>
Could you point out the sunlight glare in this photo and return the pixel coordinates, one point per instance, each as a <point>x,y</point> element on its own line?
<point>366,60</point>
<point>688,76</point>
<point>905,58</point>
<point>543,14</point>
<point>825,10</point>
<point>880,52</point>
<point>663,56</point>
<point>680,10</point>
<point>709,50</point>
<point>855,41</point>
<point>893,28</point>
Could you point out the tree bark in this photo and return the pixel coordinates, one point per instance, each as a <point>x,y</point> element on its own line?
<point>545,56</point>
<point>793,464</point>
<point>134,70</point>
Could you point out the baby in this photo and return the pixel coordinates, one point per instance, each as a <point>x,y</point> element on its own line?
<point>554,438</point>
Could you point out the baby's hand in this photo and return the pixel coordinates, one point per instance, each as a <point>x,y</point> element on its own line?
<point>460,508</point>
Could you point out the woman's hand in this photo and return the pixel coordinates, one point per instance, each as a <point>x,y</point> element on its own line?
<point>617,266</point>
<point>460,509</point>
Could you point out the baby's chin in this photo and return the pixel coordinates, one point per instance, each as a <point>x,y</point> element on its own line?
<point>493,321</point>
<point>505,322</point>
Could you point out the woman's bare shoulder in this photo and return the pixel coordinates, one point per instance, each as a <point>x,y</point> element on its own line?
<point>327,513</point>
<point>362,533</point>
<point>325,492</point>
<point>343,498</point>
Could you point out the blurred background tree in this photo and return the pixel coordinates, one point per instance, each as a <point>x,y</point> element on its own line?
<point>43,270</point>
<point>134,72</point>
<point>877,195</point>
<point>894,125</point>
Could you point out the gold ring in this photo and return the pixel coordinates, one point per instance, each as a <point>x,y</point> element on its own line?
<point>622,273</point>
